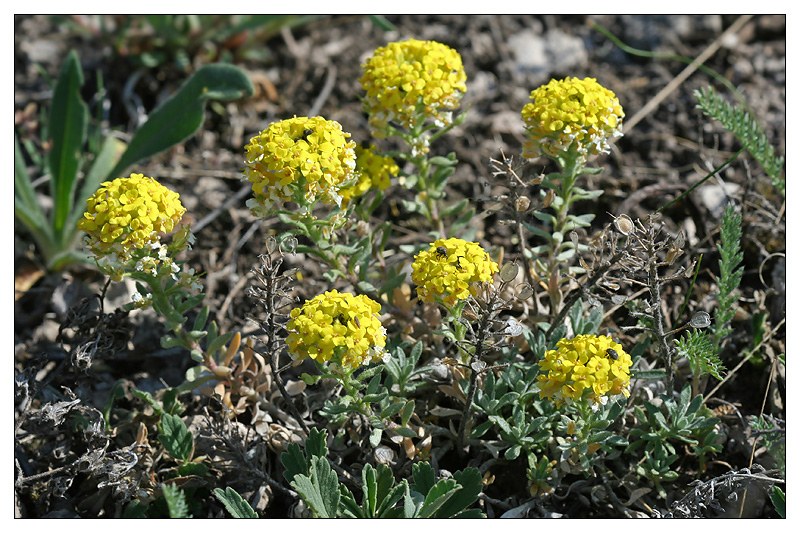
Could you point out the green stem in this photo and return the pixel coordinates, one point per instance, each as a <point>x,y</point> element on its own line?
<point>572,166</point>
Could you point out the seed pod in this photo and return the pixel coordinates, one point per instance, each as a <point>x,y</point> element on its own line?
<point>624,224</point>
<point>525,293</point>
<point>289,244</point>
<point>509,272</point>
<point>522,203</point>
<point>701,319</point>
<point>271,244</point>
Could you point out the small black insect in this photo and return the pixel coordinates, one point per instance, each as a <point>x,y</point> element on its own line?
<point>612,354</point>
<point>306,133</point>
<point>441,251</point>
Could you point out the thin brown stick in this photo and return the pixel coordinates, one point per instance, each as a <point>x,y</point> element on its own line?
<point>680,78</point>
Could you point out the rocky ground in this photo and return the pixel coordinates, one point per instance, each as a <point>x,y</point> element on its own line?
<point>313,68</point>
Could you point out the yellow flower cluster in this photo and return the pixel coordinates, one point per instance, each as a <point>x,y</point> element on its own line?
<point>451,270</point>
<point>373,170</point>
<point>570,111</point>
<point>299,159</point>
<point>337,327</point>
<point>404,79</point>
<point>129,213</point>
<point>592,363</point>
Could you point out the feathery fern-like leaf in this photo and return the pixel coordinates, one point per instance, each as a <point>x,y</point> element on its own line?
<point>737,121</point>
<point>730,276</point>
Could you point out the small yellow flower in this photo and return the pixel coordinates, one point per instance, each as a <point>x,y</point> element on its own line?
<point>409,81</point>
<point>300,159</point>
<point>337,327</point>
<point>593,363</point>
<point>373,170</point>
<point>128,214</point>
<point>451,270</point>
<point>570,111</point>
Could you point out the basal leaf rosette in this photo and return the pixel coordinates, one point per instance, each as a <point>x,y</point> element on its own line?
<point>374,171</point>
<point>130,214</point>
<point>409,81</point>
<point>581,115</point>
<point>590,366</point>
<point>339,328</point>
<point>451,270</point>
<point>300,159</point>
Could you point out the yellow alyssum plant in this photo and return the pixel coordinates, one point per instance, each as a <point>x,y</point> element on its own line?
<point>301,159</point>
<point>374,171</point>
<point>591,366</point>
<point>571,113</point>
<point>451,270</point>
<point>567,121</point>
<point>339,328</point>
<point>409,81</point>
<point>128,214</point>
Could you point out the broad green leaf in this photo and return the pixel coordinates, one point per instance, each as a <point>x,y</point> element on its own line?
<point>388,495</point>
<point>348,508</point>
<point>424,478</point>
<point>471,486</point>
<point>439,494</point>
<point>294,461</point>
<point>179,117</point>
<point>412,501</point>
<point>234,503</point>
<point>316,445</point>
<point>175,437</point>
<point>67,132</point>
<point>321,490</point>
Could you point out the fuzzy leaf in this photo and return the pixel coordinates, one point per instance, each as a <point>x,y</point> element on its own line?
<point>175,437</point>
<point>234,503</point>
<point>320,490</point>
<point>179,117</point>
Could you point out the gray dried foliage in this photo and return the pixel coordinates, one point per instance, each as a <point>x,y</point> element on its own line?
<point>708,498</point>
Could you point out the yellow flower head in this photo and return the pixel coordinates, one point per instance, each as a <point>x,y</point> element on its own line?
<point>409,81</point>
<point>451,270</point>
<point>594,364</point>
<point>128,214</point>
<point>373,170</point>
<point>299,159</point>
<point>570,111</point>
<point>337,327</point>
